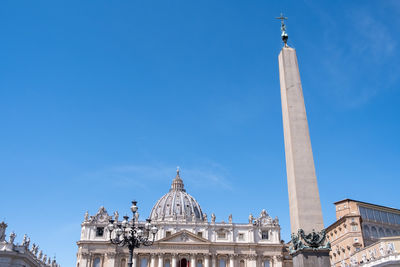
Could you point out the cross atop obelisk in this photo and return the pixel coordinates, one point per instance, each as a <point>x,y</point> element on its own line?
<point>284,35</point>
<point>308,245</point>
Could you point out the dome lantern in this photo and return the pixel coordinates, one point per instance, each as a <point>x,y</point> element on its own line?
<point>177,183</point>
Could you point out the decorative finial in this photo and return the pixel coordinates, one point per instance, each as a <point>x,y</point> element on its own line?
<point>178,171</point>
<point>284,35</point>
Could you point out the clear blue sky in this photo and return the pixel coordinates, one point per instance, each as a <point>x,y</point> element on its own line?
<point>101,100</point>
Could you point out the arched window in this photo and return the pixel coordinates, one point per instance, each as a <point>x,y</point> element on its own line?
<point>366,231</point>
<point>388,232</point>
<point>381,232</point>
<point>266,263</point>
<point>143,262</point>
<point>123,263</point>
<point>199,263</point>
<point>184,263</point>
<point>222,263</point>
<point>241,263</point>
<point>96,262</point>
<point>167,263</point>
<point>374,232</point>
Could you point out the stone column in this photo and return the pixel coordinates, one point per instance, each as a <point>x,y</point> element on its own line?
<point>214,260</point>
<point>277,262</point>
<point>134,260</point>
<point>232,261</point>
<point>173,264</point>
<point>160,260</point>
<point>252,261</point>
<point>193,260</point>
<point>206,260</point>
<point>84,260</point>
<point>152,260</point>
<point>110,259</point>
<point>259,261</point>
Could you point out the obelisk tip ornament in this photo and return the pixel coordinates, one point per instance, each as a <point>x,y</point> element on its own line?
<point>309,246</point>
<point>284,35</point>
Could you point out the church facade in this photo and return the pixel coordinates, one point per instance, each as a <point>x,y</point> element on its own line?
<point>186,238</point>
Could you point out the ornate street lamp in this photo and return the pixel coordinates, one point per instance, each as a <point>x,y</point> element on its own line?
<point>131,234</point>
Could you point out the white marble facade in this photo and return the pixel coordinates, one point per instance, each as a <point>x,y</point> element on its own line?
<point>186,238</point>
<point>21,254</point>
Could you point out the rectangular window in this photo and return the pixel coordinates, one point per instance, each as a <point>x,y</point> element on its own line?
<point>363,213</point>
<point>354,228</point>
<point>99,231</point>
<point>221,235</point>
<point>392,219</point>
<point>200,234</point>
<point>384,217</point>
<point>266,264</point>
<point>264,235</point>
<point>222,263</point>
<point>370,214</point>
<point>377,215</point>
<point>241,236</point>
<point>167,233</point>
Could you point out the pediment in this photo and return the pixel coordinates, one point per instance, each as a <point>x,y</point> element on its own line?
<point>101,217</point>
<point>184,237</point>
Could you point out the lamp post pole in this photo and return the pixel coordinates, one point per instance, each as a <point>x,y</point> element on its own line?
<point>131,234</point>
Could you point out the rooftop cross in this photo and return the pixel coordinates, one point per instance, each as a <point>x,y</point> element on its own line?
<point>283,29</point>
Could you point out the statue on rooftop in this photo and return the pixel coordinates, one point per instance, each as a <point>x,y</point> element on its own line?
<point>24,240</point>
<point>12,237</point>
<point>136,216</point>
<point>116,215</point>
<point>251,218</point>
<point>28,241</point>
<point>3,227</point>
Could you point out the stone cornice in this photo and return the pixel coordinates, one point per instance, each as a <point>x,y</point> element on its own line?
<point>208,244</point>
<point>341,220</point>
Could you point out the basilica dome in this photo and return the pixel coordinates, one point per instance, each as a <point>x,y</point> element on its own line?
<point>177,205</point>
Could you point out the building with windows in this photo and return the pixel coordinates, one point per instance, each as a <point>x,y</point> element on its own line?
<point>186,238</point>
<point>21,254</point>
<point>360,228</point>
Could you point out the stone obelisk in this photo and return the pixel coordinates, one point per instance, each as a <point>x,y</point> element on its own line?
<point>308,245</point>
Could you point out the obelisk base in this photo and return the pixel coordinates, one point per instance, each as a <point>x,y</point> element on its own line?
<point>311,258</point>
